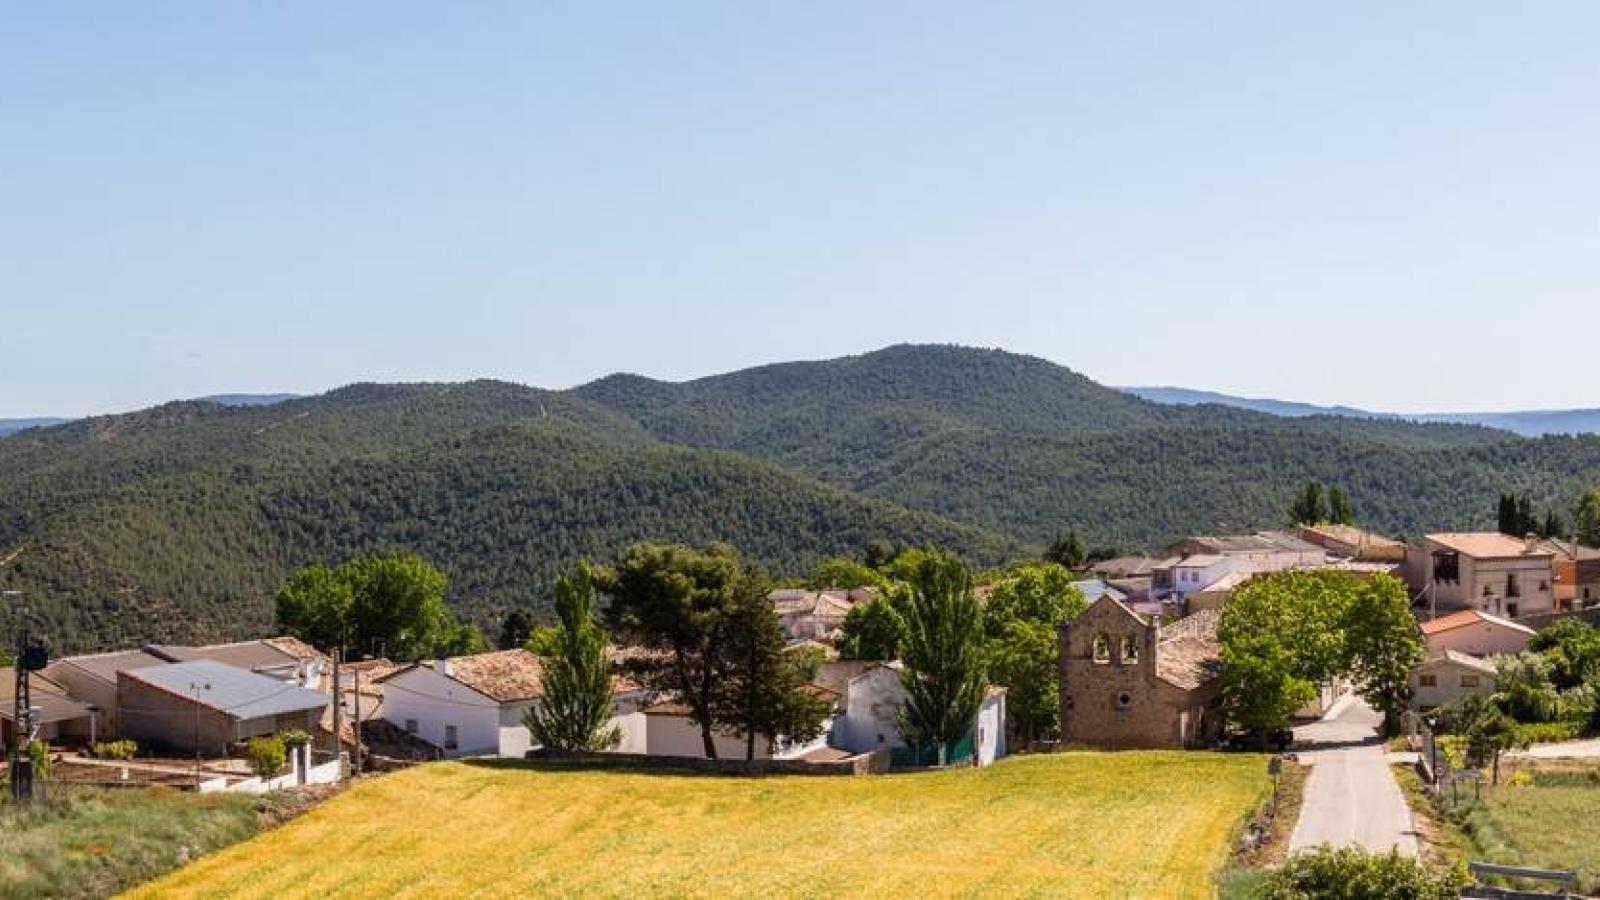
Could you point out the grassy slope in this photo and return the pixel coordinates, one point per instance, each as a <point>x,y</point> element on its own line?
<point>1074,825</point>
<point>100,842</point>
<point>1549,824</point>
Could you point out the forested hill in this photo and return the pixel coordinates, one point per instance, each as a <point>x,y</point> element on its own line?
<point>179,522</point>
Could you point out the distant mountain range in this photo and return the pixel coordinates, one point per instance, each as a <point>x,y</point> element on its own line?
<point>11,426</point>
<point>179,522</point>
<point>1535,423</point>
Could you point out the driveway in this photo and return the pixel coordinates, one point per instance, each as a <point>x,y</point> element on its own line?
<point>1351,796</point>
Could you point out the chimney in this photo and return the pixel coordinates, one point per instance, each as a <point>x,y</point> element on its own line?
<point>443,666</point>
<point>1152,639</point>
<point>1532,543</point>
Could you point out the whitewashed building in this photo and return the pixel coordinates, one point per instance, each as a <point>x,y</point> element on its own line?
<point>874,699</point>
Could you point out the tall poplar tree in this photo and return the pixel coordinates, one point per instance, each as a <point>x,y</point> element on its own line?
<point>577,702</point>
<point>943,653</point>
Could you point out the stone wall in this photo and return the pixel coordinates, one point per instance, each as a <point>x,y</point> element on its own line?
<point>875,763</point>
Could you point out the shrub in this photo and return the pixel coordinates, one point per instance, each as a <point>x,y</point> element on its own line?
<point>294,738</point>
<point>39,754</point>
<point>1549,732</point>
<point>1348,872</point>
<point>124,749</point>
<point>267,756</point>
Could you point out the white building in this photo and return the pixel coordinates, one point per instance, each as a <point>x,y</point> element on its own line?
<point>1486,571</point>
<point>874,699</point>
<point>1475,632</point>
<point>475,705</point>
<point>670,732</point>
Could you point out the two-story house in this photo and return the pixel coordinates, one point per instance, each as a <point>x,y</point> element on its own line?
<point>1486,571</point>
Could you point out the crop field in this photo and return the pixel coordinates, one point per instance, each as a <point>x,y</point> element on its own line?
<point>1153,824</point>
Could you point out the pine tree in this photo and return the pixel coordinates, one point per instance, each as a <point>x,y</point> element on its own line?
<point>515,629</point>
<point>943,654</point>
<point>1587,522</point>
<point>1527,522</point>
<point>1506,516</point>
<point>763,691</point>
<point>1339,511</point>
<point>1066,550</point>
<point>575,711</point>
<point>1308,507</point>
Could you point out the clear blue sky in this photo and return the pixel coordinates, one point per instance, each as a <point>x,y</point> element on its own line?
<point>1389,205</point>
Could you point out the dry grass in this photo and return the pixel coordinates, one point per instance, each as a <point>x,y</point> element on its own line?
<point>1068,825</point>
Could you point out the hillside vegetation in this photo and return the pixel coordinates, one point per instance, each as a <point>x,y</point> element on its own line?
<point>179,522</point>
<point>1067,825</point>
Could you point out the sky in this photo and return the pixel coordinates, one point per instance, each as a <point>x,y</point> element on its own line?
<point>1394,206</point>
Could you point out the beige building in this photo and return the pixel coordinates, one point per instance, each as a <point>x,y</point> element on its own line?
<point>1129,682</point>
<point>1476,633</point>
<point>1450,676</point>
<point>1486,571</point>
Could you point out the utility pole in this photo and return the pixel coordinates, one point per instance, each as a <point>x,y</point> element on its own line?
<point>195,687</point>
<point>21,727</point>
<point>355,761</point>
<point>338,706</point>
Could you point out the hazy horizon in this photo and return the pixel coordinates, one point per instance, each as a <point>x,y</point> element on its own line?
<point>1390,208</point>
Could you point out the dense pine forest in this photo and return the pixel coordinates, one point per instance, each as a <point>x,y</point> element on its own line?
<point>179,522</point>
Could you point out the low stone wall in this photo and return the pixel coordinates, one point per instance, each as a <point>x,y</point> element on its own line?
<point>875,763</point>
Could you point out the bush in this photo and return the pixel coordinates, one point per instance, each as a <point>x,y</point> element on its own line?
<point>115,749</point>
<point>39,753</point>
<point>294,738</point>
<point>267,756</point>
<point>1549,732</point>
<point>1348,873</point>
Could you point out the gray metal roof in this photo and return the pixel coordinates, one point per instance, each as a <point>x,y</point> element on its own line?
<point>240,694</point>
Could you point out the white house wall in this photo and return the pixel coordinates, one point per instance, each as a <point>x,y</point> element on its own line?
<point>435,702</point>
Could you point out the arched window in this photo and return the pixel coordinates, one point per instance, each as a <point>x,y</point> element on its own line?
<point>1102,648</point>
<point>1130,650</point>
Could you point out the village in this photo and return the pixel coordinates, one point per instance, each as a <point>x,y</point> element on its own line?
<point>1138,666</point>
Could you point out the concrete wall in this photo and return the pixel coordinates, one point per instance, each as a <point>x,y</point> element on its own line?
<point>860,764</point>
<point>990,738</point>
<point>92,690</point>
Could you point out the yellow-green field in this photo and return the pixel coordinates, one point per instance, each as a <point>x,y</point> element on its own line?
<point>1070,825</point>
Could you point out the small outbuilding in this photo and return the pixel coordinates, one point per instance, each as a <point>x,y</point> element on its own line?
<point>208,707</point>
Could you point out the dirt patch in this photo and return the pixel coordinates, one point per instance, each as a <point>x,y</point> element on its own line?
<point>283,806</point>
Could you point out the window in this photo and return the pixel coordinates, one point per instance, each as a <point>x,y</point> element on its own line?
<point>1428,680</point>
<point>1470,681</point>
<point>411,726</point>
<point>1130,650</point>
<point>1102,648</point>
<point>1446,566</point>
<point>1124,700</point>
<point>450,737</point>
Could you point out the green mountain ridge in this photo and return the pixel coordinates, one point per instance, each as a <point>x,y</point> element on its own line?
<point>179,522</point>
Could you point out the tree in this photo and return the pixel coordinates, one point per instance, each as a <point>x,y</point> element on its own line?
<point>874,629</point>
<point>1489,736</point>
<point>578,702</point>
<point>1308,507</point>
<point>1259,687</point>
<point>1339,511</point>
<point>943,678</point>
<point>1553,527</point>
<point>515,629</point>
<point>1572,651</point>
<point>1066,550</point>
<point>676,602</point>
<point>1586,525</point>
<point>1382,645</point>
<point>1527,523</point>
<point>1506,520</point>
<point>838,572</point>
<point>764,691</point>
<point>1022,651</point>
<point>879,552</point>
<point>266,755</point>
<point>389,605</point>
<point>1523,688</point>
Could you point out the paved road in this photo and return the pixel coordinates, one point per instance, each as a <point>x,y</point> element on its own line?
<point>1351,796</point>
<point>1565,750</point>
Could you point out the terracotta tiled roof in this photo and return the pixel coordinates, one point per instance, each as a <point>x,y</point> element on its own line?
<point>504,675</point>
<point>1188,653</point>
<point>1465,660</point>
<point>294,647</point>
<point>1469,617</point>
<point>1486,544</point>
